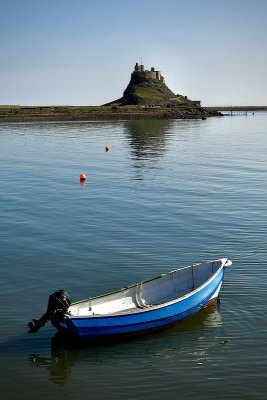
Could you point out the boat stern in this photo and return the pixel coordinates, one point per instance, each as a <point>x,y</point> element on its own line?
<point>64,324</point>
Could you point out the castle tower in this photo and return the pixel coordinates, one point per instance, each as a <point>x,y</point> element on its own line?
<point>153,73</point>
<point>158,75</point>
<point>137,67</point>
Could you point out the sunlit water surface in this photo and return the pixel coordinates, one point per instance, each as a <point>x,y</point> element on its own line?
<point>167,194</point>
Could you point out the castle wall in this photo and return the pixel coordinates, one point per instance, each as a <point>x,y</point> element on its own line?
<point>196,102</point>
<point>150,74</point>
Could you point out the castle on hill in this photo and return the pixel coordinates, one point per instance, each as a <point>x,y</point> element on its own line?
<point>152,74</point>
<point>149,87</point>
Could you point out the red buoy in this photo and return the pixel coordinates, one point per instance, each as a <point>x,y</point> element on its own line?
<point>82,177</point>
<point>107,148</point>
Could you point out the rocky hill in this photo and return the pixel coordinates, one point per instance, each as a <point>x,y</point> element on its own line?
<point>144,90</point>
<point>149,88</point>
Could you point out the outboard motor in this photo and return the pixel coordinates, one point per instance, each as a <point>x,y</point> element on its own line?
<point>58,305</point>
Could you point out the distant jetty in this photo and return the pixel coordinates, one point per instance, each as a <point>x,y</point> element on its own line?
<point>237,108</point>
<point>146,97</point>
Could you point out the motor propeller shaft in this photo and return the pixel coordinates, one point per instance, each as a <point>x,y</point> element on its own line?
<point>58,305</point>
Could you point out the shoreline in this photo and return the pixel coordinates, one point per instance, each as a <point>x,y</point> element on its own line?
<point>72,113</point>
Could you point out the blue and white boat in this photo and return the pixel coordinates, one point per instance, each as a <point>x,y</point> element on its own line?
<point>150,305</point>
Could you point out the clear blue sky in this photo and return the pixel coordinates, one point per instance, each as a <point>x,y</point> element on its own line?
<point>82,52</point>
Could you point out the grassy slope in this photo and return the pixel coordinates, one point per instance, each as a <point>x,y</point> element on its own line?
<point>149,96</point>
<point>152,96</point>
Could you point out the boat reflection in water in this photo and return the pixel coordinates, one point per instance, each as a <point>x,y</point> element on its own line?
<point>175,342</point>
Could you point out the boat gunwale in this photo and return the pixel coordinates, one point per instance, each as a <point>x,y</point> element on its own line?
<point>145,281</point>
<point>149,307</point>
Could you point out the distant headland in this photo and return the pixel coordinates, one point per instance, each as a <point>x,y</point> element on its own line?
<point>146,97</point>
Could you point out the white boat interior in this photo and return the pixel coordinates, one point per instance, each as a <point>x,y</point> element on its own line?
<point>156,291</point>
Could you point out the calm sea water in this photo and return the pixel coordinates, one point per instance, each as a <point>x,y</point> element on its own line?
<point>167,194</point>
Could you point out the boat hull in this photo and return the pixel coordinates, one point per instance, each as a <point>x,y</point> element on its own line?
<point>145,320</point>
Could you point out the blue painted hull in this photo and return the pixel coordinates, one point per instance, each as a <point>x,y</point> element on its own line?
<point>104,326</point>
